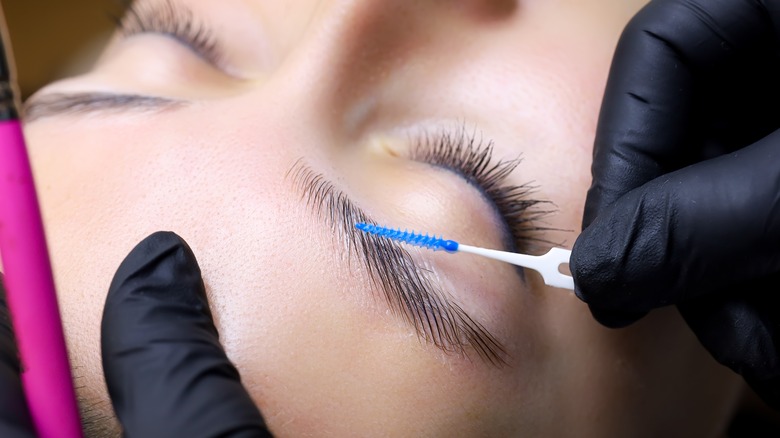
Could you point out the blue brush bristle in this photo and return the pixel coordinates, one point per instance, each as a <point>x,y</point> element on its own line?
<point>410,237</point>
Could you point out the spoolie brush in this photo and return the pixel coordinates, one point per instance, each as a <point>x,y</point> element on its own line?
<point>548,264</point>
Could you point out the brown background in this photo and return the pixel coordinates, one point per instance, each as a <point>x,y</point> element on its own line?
<point>56,38</point>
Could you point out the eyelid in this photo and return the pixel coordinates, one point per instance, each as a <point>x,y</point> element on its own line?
<point>410,293</point>
<point>173,19</point>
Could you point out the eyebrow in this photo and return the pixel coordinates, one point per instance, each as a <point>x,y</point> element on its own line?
<point>408,289</point>
<point>74,104</point>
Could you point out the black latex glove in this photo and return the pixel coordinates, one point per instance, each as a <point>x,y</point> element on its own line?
<point>685,203</point>
<point>166,371</point>
<point>14,417</point>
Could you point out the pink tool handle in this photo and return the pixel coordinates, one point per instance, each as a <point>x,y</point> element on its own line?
<point>32,301</point>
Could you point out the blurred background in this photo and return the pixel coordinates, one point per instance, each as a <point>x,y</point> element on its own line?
<point>52,39</point>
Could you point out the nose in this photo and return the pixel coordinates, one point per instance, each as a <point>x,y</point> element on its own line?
<point>350,56</point>
<point>348,50</point>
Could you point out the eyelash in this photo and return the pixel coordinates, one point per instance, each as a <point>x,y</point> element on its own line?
<point>467,155</point>
<point>175,21</point>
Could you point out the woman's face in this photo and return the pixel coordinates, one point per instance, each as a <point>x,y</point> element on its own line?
<point>262,142</point>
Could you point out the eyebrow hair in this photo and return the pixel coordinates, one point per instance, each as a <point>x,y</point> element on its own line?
<point>408,290</point>
<point>69,104</point>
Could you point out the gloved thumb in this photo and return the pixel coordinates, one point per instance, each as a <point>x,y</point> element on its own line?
<point>165,368</point>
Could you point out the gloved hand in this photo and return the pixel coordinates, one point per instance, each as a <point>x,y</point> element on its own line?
<point>166,371</point>
<point>685,202</point>
<point>15,419</point>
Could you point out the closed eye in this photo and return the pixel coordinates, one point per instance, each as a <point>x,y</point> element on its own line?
<point>173,19</point>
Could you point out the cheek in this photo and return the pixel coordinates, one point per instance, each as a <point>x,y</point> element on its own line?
<point>539,90</point>
<point>554,125</point>
<point>568,64</point>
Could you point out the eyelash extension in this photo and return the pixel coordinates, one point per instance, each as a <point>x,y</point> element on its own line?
<point>469,156</point>
<point>174,20</point>
<point>409,290</point>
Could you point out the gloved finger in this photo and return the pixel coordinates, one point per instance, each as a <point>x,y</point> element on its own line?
<point>667,56</point>
<point>742,331</point>
<point>14,417</point>
<point>615,318</point>
<point>165,368</point>
<point>707,227</point>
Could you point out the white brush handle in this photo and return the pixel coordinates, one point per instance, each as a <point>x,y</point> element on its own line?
<point>546,264</point>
